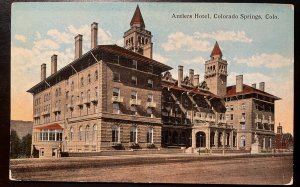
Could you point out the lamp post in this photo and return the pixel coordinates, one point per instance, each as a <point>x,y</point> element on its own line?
<point>200,143</point>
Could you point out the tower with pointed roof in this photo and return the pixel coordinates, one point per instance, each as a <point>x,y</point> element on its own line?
<point>216,72</point>
<point>137,38</point>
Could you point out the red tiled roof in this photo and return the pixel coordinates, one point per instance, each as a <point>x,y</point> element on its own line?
<point>130,54</point>
<point>54,126</point>
<point>216,50</point>
<point>231,91</point>
<point>137,18</point>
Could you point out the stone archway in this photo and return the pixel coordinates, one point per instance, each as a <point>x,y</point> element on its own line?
<point>200,139</point>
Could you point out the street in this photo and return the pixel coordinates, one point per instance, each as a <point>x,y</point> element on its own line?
<point>159,169</point>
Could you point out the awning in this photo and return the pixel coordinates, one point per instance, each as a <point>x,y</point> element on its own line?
<point>54,126</point>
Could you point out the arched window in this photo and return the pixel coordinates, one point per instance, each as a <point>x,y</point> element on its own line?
<point>89,78</point>
<point>80,133</point>
<point>96,75</point>
<point>72,85</point>
<point>243,141</point>
<point>82,81</point>
<point>94,134</point>
<point>71,134</point>
<point>88,95</point>
<point>56,92</point>
<point>87,134</point>
<point>115,134</point>
<point>150,135</point>
<point>133,135</point>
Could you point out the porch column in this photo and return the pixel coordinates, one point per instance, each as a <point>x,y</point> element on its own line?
<point>231,139</point>
<point>224,138</point>
<point>264,143</point>
<point>193,139</point>
<point>216,139</point>
<point>208,138</point>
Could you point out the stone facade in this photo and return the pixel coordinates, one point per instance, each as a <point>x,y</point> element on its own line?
<point>117,98</point>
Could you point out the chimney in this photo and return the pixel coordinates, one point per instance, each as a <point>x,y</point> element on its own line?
<point>196,80</point>
<point>78,46</point>
<point>191,76</point>
<point>239,83</point>
<point>180,75</point>
<point>53,64</point>
<point>43,72</point>
<point>262,86</point>
<point>94,35</point>
<point>254,85</point>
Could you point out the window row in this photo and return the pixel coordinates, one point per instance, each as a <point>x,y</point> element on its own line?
<point>134,79</point>
<point>85,134</point>
<point>50,135</point>
<point>116,134</point>
<point>230,108</point>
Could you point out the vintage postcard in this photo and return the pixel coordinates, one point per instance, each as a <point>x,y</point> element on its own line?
<point>191,93</point>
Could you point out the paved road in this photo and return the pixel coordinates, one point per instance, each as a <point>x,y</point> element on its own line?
<point>159,169</point>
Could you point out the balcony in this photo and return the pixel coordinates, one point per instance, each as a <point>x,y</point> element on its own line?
<point>264,121</point>
<point>70,106</point>
<point>222,121</point>
<point>56,109</point>
<point>87,100</point>
<point>117,99</point>
<point>242,120</point>
<point>79,102</point>
<point>135,102</point>
<point>257,120</point>
<point>133,144</point>
<point>271,122</point>
<point>94,99</point>
<point>45,113</point>
<point>197,118</point>
<point>116,144</point>
<point>36,115</point>
<point>150,104</point>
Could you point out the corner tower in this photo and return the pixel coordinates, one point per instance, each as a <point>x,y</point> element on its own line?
<point>216,72</point>
<point>137,38</point>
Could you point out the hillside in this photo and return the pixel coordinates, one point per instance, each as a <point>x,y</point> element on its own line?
<point>21,127</point>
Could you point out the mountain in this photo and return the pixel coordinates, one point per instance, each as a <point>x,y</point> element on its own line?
<point>21,127</point>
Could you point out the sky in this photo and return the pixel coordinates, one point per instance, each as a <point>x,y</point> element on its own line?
<point>260,49</point>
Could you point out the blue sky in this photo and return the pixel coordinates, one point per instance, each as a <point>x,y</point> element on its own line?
<point>262,50</point>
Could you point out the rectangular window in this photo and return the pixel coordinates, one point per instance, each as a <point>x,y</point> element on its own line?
<point>116,92</point>
<point>133,95</point>
<point>243,106</point>
<point>134,64</point>
<point>133,110</point>
<point>150,98</point>
<point>134,80</point>
<point>52,135</point>
<point>116,108</point>
<point>150,83</point>
<point>116,76</point>
<point>227,108</point>
<point>231,107</point>
<point>231,117</point>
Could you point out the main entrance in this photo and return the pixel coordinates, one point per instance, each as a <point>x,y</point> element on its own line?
<point>200,139</point>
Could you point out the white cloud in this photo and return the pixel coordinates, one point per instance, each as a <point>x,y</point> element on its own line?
<point>239,36</point>
<point>197,60</point>
<point>60,37</point>
<point>20,37</point>
<point>198,41</point>
<point>272,60</point>
<point>45,44</point>
<point>179,40</point>
<point>249,78</point>
<point>160,58</point>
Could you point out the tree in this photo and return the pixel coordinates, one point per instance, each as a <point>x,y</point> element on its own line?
<point>26,146</point>
<point>15,144</point>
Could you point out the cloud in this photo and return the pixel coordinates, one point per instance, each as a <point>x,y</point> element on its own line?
<point>45,44</point>
<point>20,37</point>
<point>160,58</point>
<point>197,60</point>
<point>60,37</point>
<point>179,40</point>
<point>272,60</point>
<point>239,36</point>
<point>249,78</point>
<point>199,41</point>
